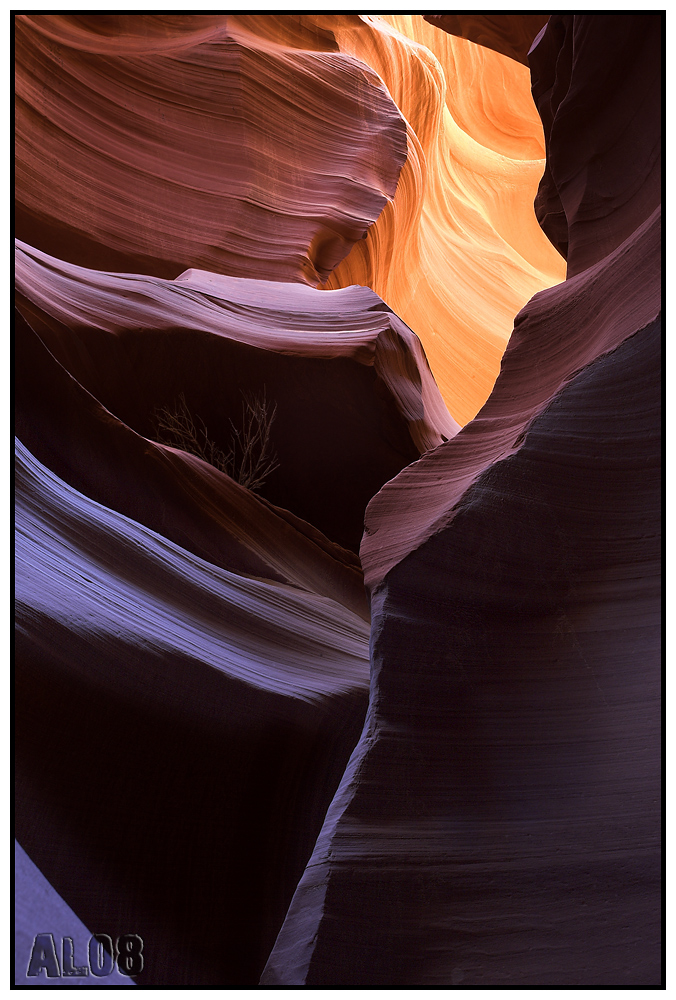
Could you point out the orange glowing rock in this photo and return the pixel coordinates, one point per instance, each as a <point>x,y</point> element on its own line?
<point>459,251</point>
<point>267,147</point>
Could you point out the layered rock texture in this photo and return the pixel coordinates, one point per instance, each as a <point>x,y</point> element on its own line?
<point>498,822</point>
<point>338,496</point>
<point>264,147</point>
<point>215,144</point>
<point>461,221</point>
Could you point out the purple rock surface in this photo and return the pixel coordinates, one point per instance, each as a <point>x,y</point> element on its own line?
<point>322,689</point>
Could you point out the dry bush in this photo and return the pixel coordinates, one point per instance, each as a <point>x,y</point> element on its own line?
<point>250,458</point>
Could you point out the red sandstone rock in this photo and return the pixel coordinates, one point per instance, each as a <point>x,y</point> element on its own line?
<point>214,142</point>
<point>459,251</point>
<point>497,823</point>
<point>559,332</point>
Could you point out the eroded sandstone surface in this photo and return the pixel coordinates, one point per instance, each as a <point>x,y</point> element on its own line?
<point>337,346</point>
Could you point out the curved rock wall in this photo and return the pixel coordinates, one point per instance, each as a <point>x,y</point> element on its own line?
<point>602,130</point>
<point>261,155</point>
<point>462,220</point>
<point>510,34</point>
<point>498,824</point>
<point>352,395</point>
<point>195,662</point>
<point>178,726</point>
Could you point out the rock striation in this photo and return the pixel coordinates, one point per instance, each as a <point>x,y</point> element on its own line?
<point>244,145</point>
<point>181,730</point>
<point>352,394</point>
<point>346,101</point>
<point>459,250</point>
<point>337,365</point>
<point>498,823</point>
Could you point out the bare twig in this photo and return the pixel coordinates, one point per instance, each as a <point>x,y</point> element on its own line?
<point>250,458</point>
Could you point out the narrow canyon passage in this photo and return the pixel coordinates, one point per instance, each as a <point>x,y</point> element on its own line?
<point>338,499</point>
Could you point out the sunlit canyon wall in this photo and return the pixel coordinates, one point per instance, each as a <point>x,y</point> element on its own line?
<point>337,496</point>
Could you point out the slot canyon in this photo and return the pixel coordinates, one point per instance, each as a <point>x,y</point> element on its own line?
<point>338,499</point>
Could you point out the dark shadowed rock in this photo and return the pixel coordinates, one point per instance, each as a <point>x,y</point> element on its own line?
<point>210,752</point>
<point>180,732</point>
<point>498,824</point>
<point>353,397</point>
<point>510,34</point>
<point>597,83</point>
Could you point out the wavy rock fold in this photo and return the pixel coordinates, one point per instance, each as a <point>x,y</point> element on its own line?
<point>337,355</point>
